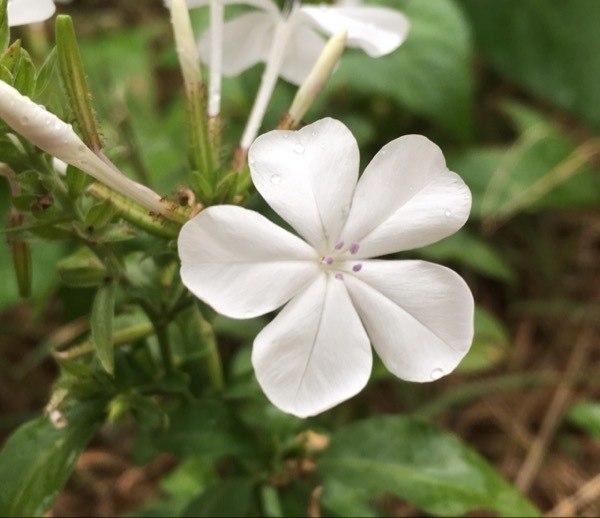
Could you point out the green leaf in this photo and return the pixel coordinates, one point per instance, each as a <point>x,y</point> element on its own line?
<point>202,427</point>
<point>82,269</point>
<point>76,181</point>
<point>416,461</point>
<point>230,497</point>
<point>73,77</point>
<point>38,458</point>
<point>543,169</point>
<point>431,73</point>
<point>4,30</point>
<point>99,215</point>
<point>490,344</point>
<point>102,321</point>
<point>472,251</point>
<point>25,75</point>
<point>586,415</point>
<point>549,47</point>
<point>46,74</point>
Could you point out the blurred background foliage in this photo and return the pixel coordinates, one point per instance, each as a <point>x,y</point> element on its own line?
<point>510,91</point>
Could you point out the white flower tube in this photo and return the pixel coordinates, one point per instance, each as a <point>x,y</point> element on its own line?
<point>23,12</point>
<point>49,133</point>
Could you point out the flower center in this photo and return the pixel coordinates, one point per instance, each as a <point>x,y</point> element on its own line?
<point>340,260</point>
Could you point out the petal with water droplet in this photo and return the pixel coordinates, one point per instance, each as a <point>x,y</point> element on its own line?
<point>419,316</point>
<point>406,199</point>
<point>314,186</point>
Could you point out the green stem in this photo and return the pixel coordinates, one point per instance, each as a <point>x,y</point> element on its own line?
<point>162,334</point>
<point>213,357</point>
<point>135,214</point>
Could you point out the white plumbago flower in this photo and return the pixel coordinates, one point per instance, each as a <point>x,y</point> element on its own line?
<point>316,353</point>
<point>23,12</point>
<point>248,38</point>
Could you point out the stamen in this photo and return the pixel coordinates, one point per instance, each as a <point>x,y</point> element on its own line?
<point>328,260</point>
<point>339,276</point>
<point>339,245</point>
<point>354,248</point>
<point>357,267</point>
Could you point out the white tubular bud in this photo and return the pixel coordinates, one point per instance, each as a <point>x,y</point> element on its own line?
<point>318,77</point>
<point>52,135</point>
<point>187,51</point>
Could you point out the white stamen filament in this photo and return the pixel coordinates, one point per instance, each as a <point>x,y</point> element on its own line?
<point>216,57</point>
<point>268,82</point>
<point>46,131</point>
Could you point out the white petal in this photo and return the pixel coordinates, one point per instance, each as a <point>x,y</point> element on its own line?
<point>303,51</point>
<point>406,199</point>
<point>240,263</point>
<point>246,42</point>
<point>376,30</point>
<point>315,354</point>
<point>22,12</point>
<point>418,315</point>
<point>308,177</point>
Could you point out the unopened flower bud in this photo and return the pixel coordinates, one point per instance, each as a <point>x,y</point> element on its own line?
<point>57,138</point>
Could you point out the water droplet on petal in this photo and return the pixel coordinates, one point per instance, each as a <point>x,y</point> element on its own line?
<point>286,135</point>
<point>447,213</point>
<point>298,149</point>
<point>251,160</point>
<point>436,374</point>
<point>25,120</point>
<point>275,179</point>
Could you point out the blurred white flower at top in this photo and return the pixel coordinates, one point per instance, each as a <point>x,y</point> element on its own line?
<point>249,37</point>
<point>23,12</point>
<point>316,353</point>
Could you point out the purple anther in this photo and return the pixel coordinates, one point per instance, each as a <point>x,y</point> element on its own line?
<point>339,245</point>
<point>357,267</point>
<point>328,260</point>
<point>354,248</point>
<point>339,276</point>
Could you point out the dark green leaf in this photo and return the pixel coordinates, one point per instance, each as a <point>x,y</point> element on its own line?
<point>230,497</point>
<point>202,427</point>
<point>416,461</point>
<point>430,73</point>
<point>38,458</point>
<point>472,251</point>
<point>549,47</point>
<point>102,320</point>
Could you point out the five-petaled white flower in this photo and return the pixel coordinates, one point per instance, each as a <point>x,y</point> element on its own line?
<point>316,353</point>
<point>248,39</point>
<point>22,12</point>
